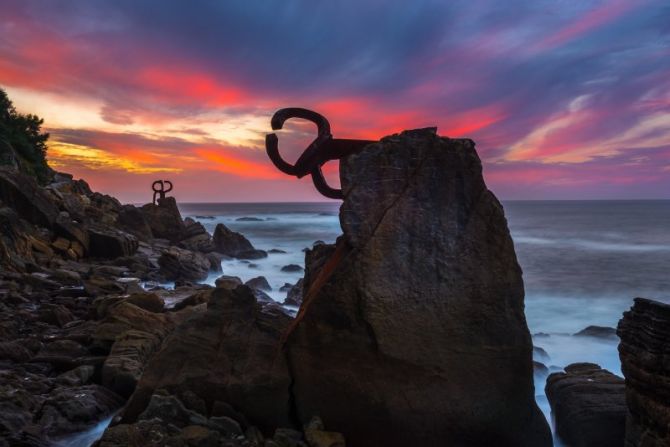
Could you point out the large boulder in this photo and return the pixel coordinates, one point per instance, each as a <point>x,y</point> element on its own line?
<point>413,331</point>
<point>27,198</point>
<point>232,243</point>
<point>644,350</point>
<point>108,242</point>
<point>164,219</point>
<point>133,220</point>
<point>227,355</point>
<point>196,237</point>
<point>589,406</point>
<point>180,264</point>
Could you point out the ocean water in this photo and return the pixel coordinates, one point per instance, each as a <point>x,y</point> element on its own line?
<point>583,262</point>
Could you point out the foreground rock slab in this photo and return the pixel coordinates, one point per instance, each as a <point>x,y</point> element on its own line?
<point>419,336</point>
<point>645,361</point>
<point>227,356</point>
<point>589,406</point>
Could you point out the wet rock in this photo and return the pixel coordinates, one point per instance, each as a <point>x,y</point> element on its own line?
<point>294,295</point>
<point>194,299</point>
<point>423,310</point>
<point>540,369</point>
<point>644,351</point>
<point>227,282</point>
<point>147,301</point>
<point>251,254</point>
<point>588,405</point>
<point>286,287</point>
<point>177,263</point>
<point>229,242</point>
<point>292,268</point>
<point>276,251</point>
<point>215,260</point>
<point>598,332</point>
<point>164,219</point>
<point>249,219</point>
<point>540,354</point>
<point>72,409</point>
<point>195,237</point>
<point>259,283</point>
<point>125,363</point>
<point>227,354</point>
<point>109,242</point>
<point>78,376</point>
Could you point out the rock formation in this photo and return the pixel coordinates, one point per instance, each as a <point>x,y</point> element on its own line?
<point>230,355</point>
<point>588,405</point>
<point>644,350</point>
<point>418,337</point>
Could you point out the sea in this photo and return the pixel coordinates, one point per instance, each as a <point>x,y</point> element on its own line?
<point>583,264</point>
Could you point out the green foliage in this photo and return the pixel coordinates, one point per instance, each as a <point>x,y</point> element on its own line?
<point>24,135</point>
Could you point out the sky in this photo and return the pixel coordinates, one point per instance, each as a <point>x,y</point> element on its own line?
<point>565,99</point>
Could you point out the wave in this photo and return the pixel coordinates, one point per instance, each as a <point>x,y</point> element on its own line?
<point>593,245</point>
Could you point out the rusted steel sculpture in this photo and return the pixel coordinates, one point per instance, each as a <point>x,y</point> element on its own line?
<point>323,148</point>
<point>159,189</point>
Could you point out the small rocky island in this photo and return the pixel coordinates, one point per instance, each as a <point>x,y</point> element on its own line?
<point>411,329</point>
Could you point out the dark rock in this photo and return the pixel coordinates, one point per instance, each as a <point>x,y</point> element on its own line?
<point>147,301</point>
<point>215,260</point>
<point>164,219</point>
<point>178,263</point>
<point>229,242</point>
<point>62,354</point>
<point>14,351</point>
<point>196,237</point>
<point>109,242</point>
<point>227,282</point>
<point>294,295</point>
<point>133,220</point>
<point>540,354</point>
<point>55,314</point>
<point>588,405</point>
<point>540,369</point>
<point>249,219</point>
<point>72,409</point>
<point>292,268</point>
<point>252,254</point>
<point>418,336</point>
<point>644,350</point>
<point>194,299</point>
<point>286,287</point>
<point>259,283</point>
<point>597,332</point>
<point>276,251</point>
<point>72,230</point>
<point>27,198</point>
<point>227,354</point>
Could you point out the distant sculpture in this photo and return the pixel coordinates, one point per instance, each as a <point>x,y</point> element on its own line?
<point>324,148</point>
<point>159,189</point>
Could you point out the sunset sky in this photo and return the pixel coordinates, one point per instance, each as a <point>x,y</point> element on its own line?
<point>565,99</point>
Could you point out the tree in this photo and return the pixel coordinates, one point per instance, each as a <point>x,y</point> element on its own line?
<point>23,133</point>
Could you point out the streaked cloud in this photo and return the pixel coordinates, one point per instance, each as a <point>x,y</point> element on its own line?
<point>571,98</point>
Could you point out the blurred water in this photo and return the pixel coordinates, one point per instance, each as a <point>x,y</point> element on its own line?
<point>583,261</point>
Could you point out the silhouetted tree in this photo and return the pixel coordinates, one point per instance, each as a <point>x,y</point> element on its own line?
<point>23,134</point>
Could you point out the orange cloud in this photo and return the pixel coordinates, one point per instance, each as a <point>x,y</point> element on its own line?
<point>243,168</point>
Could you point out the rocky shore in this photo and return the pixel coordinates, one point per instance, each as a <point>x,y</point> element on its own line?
<point>81,309</point>
<point>410,330</point>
